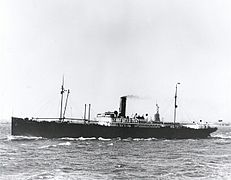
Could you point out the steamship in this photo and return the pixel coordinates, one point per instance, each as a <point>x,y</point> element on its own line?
<point>108,125</point>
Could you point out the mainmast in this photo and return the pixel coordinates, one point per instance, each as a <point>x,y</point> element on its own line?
<point>157,115</point>
<point>175,105</point>
<point>157,108</point>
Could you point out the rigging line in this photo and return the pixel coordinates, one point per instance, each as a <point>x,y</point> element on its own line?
<point>68,92</point>
<point>45,105</point>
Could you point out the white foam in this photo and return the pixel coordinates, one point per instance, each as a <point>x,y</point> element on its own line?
<point>150,139</point>
<point>77,139</point>
<point>144,139</point>
<point>69,139</point>
<point>83,139</point>
<point>222,136</point>
<point>64,144</point>
<point>11,138</point>
<point>55,145</point>
<point>103,139</point>
<point>47,146</point>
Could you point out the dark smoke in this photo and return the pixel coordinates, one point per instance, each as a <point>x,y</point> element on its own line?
<point>137,97</point>
<point>133,97</point>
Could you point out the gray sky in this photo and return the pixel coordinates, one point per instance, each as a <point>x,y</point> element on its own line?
<point>107,49</point>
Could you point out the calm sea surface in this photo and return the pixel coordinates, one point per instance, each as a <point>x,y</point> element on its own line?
<point>39,158</point>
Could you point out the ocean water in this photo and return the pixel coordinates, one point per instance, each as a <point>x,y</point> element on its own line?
<point>68,158</point>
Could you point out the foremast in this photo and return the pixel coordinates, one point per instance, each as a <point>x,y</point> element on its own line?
<point>175,105</point>
<point>62,112</point>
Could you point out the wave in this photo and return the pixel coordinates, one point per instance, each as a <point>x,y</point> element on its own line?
<point>55,145</point>
<point>108,139</point>
<point>77,139</point>
<point>144,139</point>
<point>221,136</point>
<point>47,146</point>
<point>65,144</point>
<point>104,139</point>
<point>19,138</point>
<point>69,139</point>
<point>84,139</point>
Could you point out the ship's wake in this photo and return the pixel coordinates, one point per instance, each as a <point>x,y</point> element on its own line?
<point>31,138</point>
<point>144,139</point>
<point>55,145</point>
<point>221,136</point>
<point>85,139</point>
<point>77,139</point>
<point>20,138</point>
<point>107,139</point>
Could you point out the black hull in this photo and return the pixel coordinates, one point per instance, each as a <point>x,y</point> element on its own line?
<point>25,127</point>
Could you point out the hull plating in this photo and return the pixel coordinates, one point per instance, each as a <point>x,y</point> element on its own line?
<point>25,127</point>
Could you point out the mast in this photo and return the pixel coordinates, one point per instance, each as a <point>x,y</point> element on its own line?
<point>89,112</point>
<point>85,109</point>
<point>68,92</point>
<point>157,115</point>
<point>175,105</point>
<point>61,106</point>
<point>157,108</point>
